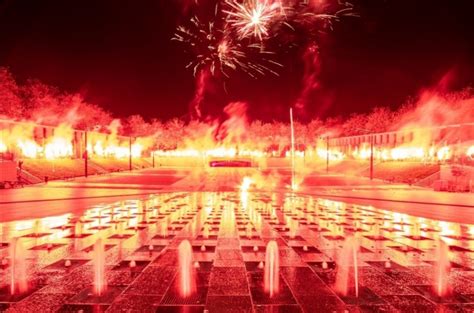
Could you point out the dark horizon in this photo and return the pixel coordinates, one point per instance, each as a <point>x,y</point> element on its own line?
<point>120,56</point>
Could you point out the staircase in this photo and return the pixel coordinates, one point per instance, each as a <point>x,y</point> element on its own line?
<point>427,182</point>
<point>97,168</point>
<point>27,178</point>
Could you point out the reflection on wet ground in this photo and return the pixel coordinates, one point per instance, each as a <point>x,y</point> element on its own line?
<point>228,231</point>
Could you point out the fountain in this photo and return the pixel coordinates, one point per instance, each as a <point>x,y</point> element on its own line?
<point>112,215</point>
<point>272,269</point>
<point>187,284</point>
<point>205,231</point>
<point>249,230</point>
<point>99,268</point>
<point>144,214</point>
<point>99,220</point>
<point>36,228</point>
<point>347,258</point>
<point>120,227</point>
<point>293,226</point>
<point>416,231</point>
<point>78,229</point>
<point>442,268</point>
<point>164,229</point>
<point>18,280</point>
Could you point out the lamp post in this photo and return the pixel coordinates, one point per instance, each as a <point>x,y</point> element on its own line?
<point>130,154</point>
<point>327,154</point>
<point>86,155</point>
<point>371,156</point>
<point>371,140</point>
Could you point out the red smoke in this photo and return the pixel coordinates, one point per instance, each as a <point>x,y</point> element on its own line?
<point>436,106</point>
<point>312,68</point>
<point>195,107</point>
<point>233,129</point>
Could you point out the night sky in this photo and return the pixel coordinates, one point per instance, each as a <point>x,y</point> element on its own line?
<point>119,55</point>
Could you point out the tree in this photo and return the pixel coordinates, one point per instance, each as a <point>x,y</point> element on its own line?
<point>354,125</point>
<point>379,120</point>
<point>136,126</point>
<point>42,103</point>
<point>11,105</point>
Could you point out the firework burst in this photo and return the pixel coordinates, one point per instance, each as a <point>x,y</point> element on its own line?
<point>238,36</point>
<point>210,46</point>
<point>252,18</point>
<point>217,49</point>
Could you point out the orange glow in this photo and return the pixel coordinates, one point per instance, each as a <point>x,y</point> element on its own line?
<point>20,138</point>
<point>221,152</point>
<point>334,155</point>
<point>444,153</point>
<point>29,140</point>
<point>3,146</point>
<point>246,182</point>
<point>29,148</point>
<point>404,153</point>
<point>470,152</point>
<point>58,148</point>
<point>115,150</point>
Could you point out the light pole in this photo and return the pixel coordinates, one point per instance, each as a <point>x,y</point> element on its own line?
<point>86,155</point>
<point>371,156</point>
<point>327,154</point>
<point>130,154</point>
<point>371,140</point>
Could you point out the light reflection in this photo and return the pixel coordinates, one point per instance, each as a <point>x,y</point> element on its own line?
<point>260,209</point>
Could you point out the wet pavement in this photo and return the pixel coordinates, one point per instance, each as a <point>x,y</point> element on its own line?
<point>75,195</point>
<point>228,231</point>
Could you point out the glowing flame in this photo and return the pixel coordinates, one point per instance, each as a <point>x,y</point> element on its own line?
<point>221,152</point>
<point>29,148</point>
<point>58,148</point>
<point>110,146</point>
<point>444,153</point>
<point>404,153</point>
<point>333,155</point>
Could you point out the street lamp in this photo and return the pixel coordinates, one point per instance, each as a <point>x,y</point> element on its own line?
<point>371,171</point>
<point>86,155</point>
<point>153,158</point>
<point>371,156</point>
<point>327,154</point>
<point>130,154</point>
